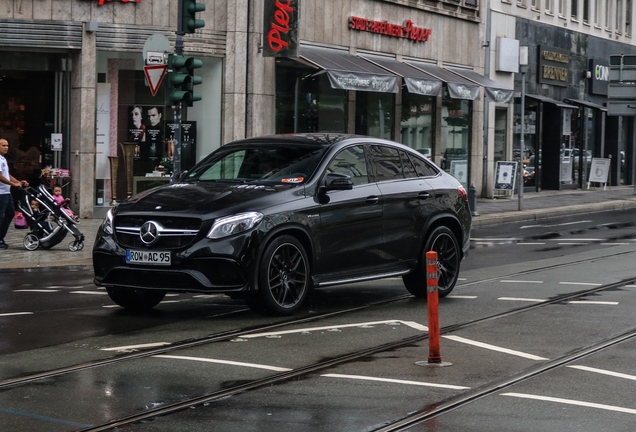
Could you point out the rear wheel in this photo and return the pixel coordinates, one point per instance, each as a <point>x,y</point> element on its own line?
<point>441,240</point>
<point>284,278</point>
<point>133,299</point>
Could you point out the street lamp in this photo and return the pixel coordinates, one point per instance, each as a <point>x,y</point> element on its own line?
<point>523,68</point>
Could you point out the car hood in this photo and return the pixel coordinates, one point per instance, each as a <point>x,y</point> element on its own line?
<point>206,197</point>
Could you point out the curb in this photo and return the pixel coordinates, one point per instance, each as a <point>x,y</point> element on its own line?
<point>533,215</point>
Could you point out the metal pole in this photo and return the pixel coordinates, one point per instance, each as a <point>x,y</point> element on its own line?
<point>178,51</point>
<point>522,143</point>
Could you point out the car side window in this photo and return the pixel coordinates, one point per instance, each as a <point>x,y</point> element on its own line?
<point>352,162</point>
<point>422,168</point>
<point>409,170</point>
<point>387,163</point>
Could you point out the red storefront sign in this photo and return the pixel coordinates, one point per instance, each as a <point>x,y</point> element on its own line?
<point>406,31</point>
<point>280,23</point>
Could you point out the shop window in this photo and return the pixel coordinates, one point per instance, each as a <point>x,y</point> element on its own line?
<point>305,101</point>
<point>418,122</point>
<point>374,114</point>
<point>456,126</point>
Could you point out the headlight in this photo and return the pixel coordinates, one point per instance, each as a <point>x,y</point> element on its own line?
<point>235,224</point>
<point>107,224</point>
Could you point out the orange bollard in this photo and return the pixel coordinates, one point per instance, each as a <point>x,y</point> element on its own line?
<point>434,355</point>
<point>432,297</point>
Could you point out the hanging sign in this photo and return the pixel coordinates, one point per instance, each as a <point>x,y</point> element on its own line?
<point>281,20</point>
<point>56,141</point>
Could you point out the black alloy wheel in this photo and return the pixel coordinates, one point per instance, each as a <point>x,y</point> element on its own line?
<point>135,300</point>
<point>284,277</point>
<point>441,240</point>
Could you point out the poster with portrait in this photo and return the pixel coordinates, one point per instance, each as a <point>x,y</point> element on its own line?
<point>188,145</point>
<point>136,128</point>
<point>147,128</point>
<point>155,133</point>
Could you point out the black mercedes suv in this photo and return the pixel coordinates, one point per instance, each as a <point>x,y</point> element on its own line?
<point>268,219</point>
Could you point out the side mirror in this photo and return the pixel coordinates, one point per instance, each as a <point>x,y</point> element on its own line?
<point>335,181</point>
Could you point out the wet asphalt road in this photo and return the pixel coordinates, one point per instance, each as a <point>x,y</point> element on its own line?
<point>74,322</point>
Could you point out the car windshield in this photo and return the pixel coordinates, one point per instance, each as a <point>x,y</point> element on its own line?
<point>260,163</point>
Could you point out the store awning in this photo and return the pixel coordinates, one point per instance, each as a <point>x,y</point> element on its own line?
<point>458,86</point>
<point>494,91</point>
<point>551,101</point>
<point>585,104</point>
<point>416,81</point>
<point>349,72</point>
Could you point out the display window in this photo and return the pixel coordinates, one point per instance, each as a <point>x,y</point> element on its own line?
<point>418,122</point>
<point>374,114</point>
<point>456,125</point>
<point>306,102</point>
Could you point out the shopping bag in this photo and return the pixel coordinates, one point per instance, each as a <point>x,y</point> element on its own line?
<point>20,221</point>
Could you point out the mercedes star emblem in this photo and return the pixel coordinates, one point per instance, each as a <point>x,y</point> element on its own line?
<point>149,232</point>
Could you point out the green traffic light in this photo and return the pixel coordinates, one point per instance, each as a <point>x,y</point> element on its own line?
<point>189,23</point>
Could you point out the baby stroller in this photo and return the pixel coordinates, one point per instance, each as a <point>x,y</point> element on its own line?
<point>50,224</point>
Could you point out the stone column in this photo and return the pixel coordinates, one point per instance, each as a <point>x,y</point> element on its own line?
<point>83,87</point>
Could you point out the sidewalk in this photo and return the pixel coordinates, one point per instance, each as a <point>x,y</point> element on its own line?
<point>539,205</point>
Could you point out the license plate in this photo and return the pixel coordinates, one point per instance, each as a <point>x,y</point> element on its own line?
<point>145,257</point>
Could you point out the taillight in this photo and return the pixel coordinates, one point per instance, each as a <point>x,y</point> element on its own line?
<point>462,192</point>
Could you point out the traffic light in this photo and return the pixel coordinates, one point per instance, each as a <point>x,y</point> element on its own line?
<point>189,23</point>
<point>181,80</point>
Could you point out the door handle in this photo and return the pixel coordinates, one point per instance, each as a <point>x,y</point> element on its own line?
<point>373,199</point>
<point>424,195</point>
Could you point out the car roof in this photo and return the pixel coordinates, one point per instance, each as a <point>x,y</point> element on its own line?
<point>325,139</point>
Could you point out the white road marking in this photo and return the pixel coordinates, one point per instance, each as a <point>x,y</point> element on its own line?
<point>495,239</point>
<point>494,348</point>
<point>579,283</point>
<point>461,279</point>
<point>16,313</point>
<point>613,244</point>
<point>111,306</point>
<point>233,363</point>
<point>461,297</point>
<point>572,402</point>
<point>562,224</point>
<point>567,244</point>
<point>129,347</point>
<point>580,239</point>
<point>173,295</point>
<point>396,381</point>
<point>89,292</point>
<point>521,299</point>
<point>520,281</point>
<point>630,286</point>
<point>592,302</point>
<point>530,244</point>
<point>605,372</point>
<point>208,295</point>
<point>37,290</point>
<point>412,324</point>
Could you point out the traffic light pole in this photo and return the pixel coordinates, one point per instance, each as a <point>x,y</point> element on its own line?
<point>178,50</point>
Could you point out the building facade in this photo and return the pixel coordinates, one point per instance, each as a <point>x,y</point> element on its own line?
<point>566,117</point>
<point>76,97</point>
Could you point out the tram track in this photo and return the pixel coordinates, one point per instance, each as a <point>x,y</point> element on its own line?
<point>413,419</point>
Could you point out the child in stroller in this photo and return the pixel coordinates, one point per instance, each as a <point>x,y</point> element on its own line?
<point>41,219</point>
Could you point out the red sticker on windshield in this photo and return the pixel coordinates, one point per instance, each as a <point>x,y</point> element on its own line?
<point>293,180</point>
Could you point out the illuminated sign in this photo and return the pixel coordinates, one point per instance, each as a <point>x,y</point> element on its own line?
<point>280,21</point>
<point>406,31</point>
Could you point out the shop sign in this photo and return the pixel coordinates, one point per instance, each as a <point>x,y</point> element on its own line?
<point>363,82</point>
<point>406,31</point>
<point>280,23</point>
<point>101,2</point>
<point>554,66</point>
<point>600,76</point>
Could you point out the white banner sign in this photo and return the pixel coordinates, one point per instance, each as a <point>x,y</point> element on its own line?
<point>599,170</point>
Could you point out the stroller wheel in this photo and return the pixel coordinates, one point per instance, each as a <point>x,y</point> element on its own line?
<point>31,242</point>
<point>76,246</point>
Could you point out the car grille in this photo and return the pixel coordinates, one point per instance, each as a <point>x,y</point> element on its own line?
<point>176,233</point>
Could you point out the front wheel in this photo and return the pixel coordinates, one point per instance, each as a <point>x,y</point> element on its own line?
<point>31,242</point>
<point>441,240</point>
<point>284,278</point>
<point>136,300</point>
